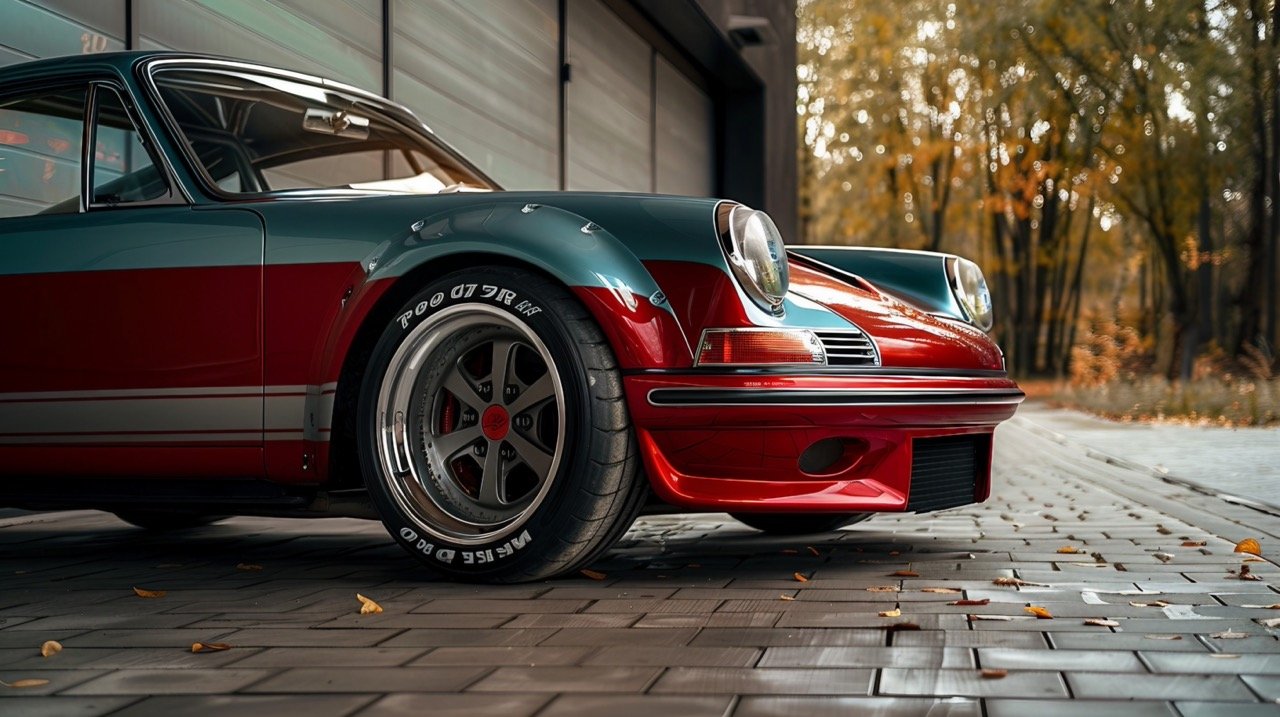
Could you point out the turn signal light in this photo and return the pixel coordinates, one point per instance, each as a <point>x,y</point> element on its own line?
<point>760,347</point>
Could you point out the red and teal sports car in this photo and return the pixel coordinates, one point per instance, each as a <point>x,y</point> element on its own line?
<point>240,290</point>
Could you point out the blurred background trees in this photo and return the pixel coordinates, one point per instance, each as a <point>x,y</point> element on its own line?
<point>1113,165</point>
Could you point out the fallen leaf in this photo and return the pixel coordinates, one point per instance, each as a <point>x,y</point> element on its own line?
<point>1270,622</point>
<point>1163,530</point>
<point>892,613</point>
<point>884,589</point>
<point>1100,622</point>
<point>800,578</point>
<point>788,598</point>
<point>1069,550</point>
<point>1247,574</point>
<point>1040,612</point>
<point>1223,656</point>
<point>984,601</point>
<point>248,567</point>
<point>367,606</point>
<point>1253,560</point>
<point>29,682</point>
<point>50,648</point>
<point>1194,543</point>
<point>1228,634</point>
<point>1157,603</point>
<point>1163,557</point>
<point>209,646</point>
<point>813,551</point>
<point>1249,545</point>
<point>946,591</point>
<point>994,618</point>
<point>993,674</point>
<point>904,574</point>
<point>1163,637</point>
<point>150,593</point>
<point>1272,606</point>
<point>1015,582</point>
<point>790,551</point>
<point>593,574</point>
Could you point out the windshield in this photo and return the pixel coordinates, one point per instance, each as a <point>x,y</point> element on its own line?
<point>254,133</point>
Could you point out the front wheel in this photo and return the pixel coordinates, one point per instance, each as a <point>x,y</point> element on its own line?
<point>493,434</point>
<point>799,523</point>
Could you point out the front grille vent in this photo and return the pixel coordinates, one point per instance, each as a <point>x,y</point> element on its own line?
<point>945,471</point>
<point>849,347</point>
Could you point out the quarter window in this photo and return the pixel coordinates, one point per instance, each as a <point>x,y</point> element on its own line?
<point>41,136</point>
<point>123,170</point>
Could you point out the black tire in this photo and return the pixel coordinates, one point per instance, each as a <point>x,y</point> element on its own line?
<point>570,455</point>
<point>164,521</point>
<point>799,523</point>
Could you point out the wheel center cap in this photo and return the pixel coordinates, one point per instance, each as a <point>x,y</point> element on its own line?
<point>495,421</point>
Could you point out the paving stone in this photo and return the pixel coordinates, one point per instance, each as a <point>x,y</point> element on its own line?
<point>970,683</point>
<point>326,656</point>
<point>304,637</point>
<point>1084,641</point>
<point>860,706</point>
<point>305,680</point>
<point>1231,709</point>
<point>491,656</point>
<point>247,706</point>
<point>867,657</point>
<point>620,636</point>
<point>1060,660</point>
<point>402,620</point>
<point>938,638</point>
<point>567,679</point>
<point>637,706</point>
<point>506,607</point>
<point>463,705</point>
<point>774,637</point>
<point>723,619</point>
<point>194,681</point>
<point>1214,664</point>
<point>1094,708</point>
<point>445,637</point>
<point>1091,685</point>
<point>581,620</point>
<point>682,656</point>
<point>57,706</point>
<point>1267,687</point>
<point>765,681</point>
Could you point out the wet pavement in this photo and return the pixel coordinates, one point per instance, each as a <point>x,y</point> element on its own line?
<point>694,615</point>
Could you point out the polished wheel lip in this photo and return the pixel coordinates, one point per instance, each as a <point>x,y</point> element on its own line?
<point>404,461</point>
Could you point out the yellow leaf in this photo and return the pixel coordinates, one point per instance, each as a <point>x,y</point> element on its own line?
<point>904,574</point>
<point>367,606</point>
<point>892,613</point>
<point>800,578</point>
<point>1249,545</point>
<point>29,682</point>
<point>248,567</point>
<point>1039,612</point>
<point>149,593</point>
<point>209,646</point>
<point>50,648</point>
<point>593,574</point>
<point>1069,550</point>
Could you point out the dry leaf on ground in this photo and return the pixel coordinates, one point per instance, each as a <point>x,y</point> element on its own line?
<point>1163,637</point>
<point>1270,622</point>
<point>946,591</point>
<point>994,618</point>
<point>891,613</point>
<point>1069,550</point>
<point>993,674</point>
<point>1223,656</point>
<point>884,589</point>
<point>1272,606</point>
<point>904,574</point>
<point>29,682</point>
<point>1101,622</point>
<point>800,577</point>
<point>983,601</point>
<point>209,646</point>
<point>1229,634</point>
<point>788,598</point>
<point>1194,543</point>
<point>248,567</point>
<point>367,606</point>
<point>593,574</point>
<point>1246,574</point>
<point>813,551</point>
<point>1040,612</point>
<point>1249,545</point>
<point>1015,582</point>
<point>1163,557</point>
<point>790,551</point>
<point>150,593</point>
<point>50,648</point>
<point>1157,603</point>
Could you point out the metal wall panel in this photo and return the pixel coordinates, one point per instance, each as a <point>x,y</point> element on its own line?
<point>684,135</point>
<point>608,114</point>
<point>336,39</point>
<point>484,75</point>
<point>31,30</point>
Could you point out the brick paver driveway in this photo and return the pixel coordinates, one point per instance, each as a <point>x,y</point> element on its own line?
<point>694,615</point>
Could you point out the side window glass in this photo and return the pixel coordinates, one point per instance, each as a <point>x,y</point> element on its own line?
<point>41,136</point>
<point>122,168</point>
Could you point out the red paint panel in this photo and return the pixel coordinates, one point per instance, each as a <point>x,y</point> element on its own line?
<point>906,336</point>
<point>204,461</point>
<point>131,329</point>
<point>641,334</point>
<point>701,295</point>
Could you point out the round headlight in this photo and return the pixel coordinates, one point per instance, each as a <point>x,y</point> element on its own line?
<point>758,256</point>
<point>970,288</point>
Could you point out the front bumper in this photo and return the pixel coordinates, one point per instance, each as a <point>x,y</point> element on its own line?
<point>763,442</point>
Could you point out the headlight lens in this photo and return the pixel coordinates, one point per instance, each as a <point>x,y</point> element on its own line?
<point>970,288</point>
<point>757,256</point>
